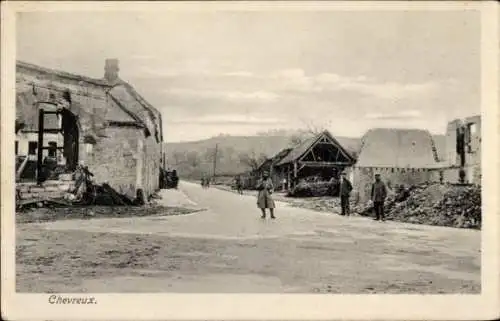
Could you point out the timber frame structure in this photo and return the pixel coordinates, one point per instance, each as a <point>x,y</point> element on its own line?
<point>68,127</point>
<point>321,155</point>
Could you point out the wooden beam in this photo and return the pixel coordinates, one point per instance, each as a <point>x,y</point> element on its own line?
<point>39,146</point>
<point>314,155</point>
<point>325,164</point>
<point>288,180</point>
<point>52,130</point>
<point>49,112</point>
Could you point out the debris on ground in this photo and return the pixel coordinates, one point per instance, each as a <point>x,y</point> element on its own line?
<point>315,188</point>
<point>76,189</point>
<point>50,213</point>
<point>452,205</point>
<point>155,196</point>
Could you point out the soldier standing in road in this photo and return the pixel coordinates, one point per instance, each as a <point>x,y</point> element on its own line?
<point>239,187</point>
<point>175,179</point>
<point>345,190</point>
<point>264,198</point>
<point>378,195</point>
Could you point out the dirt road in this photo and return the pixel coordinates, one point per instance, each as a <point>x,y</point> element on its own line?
<point>228,248</point>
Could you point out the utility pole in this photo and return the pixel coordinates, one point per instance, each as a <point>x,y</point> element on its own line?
<point>215,158</point>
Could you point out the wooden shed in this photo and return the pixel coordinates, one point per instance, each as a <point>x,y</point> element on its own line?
<point>321,155</point>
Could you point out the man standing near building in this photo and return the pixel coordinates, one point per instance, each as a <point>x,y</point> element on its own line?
<point>378,195</point>
<point>239,186</point>
<point>345,190</point>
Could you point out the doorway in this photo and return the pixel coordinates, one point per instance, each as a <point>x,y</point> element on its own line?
<point>71,135</point>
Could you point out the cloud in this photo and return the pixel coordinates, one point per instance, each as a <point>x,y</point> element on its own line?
<point>233,96</point>
<point>404,114</point>
<point>148,71</point>
<point>297,80</point>
<point>230,119</point>
<point>239,74</point>
<point>391,90</point>
<point>142,57</point>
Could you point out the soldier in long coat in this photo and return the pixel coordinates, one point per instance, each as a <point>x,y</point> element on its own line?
<point>345,190</point>
<point>239,186</point>
<point>264,198</point>
<point>378,195</point>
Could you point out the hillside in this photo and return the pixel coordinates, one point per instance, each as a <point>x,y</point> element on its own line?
<point>194,159</point>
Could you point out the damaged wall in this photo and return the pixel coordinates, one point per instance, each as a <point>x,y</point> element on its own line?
<point>152,157</point>
<point>113,159</point>
<point>363,177</point>
<point>109,133</point>
<point>471,142</point>
<point>24,138</point>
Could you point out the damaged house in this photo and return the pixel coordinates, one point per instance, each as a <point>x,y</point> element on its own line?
<point>400,156</point>
<point>463,151</point>
<point>103,124</point>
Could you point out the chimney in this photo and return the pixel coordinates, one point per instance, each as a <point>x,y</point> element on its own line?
<point>111,70</point>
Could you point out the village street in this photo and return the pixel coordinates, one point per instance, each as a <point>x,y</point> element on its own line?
<point>227,248</point>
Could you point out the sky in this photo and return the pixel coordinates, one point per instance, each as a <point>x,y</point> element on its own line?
<point>243,72</point>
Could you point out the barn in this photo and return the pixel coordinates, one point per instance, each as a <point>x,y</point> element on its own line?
<point>321,155</point>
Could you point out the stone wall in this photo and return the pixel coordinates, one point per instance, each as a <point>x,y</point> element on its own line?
<point>451,175</point>
<point>363,177</point>
<point>114,159</point>
<point>88,100</point>
<point>114,155</point>
<point>473,128</point>
<point>151,168</point>
<point>452,157</point>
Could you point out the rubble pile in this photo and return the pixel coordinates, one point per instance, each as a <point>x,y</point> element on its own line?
<point>314,189</point>
<point>436,204</point>
<point>75,189</point>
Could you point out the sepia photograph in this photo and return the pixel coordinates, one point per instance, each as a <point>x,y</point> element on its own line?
<point>250,150</point>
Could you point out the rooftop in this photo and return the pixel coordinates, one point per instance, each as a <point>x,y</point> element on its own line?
<point>400,148</point>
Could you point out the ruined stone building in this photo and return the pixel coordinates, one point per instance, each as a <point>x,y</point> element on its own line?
<point>463,149</point>
<point>409,156</point>
<point>400,156</point>
<point>102,123</point>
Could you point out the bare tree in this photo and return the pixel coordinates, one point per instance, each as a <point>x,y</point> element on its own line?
<point>252,160</point>
<point>315,128</point>
<point>309,129</point>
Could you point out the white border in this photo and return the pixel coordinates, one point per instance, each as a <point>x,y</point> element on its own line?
<point>259,306</point>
